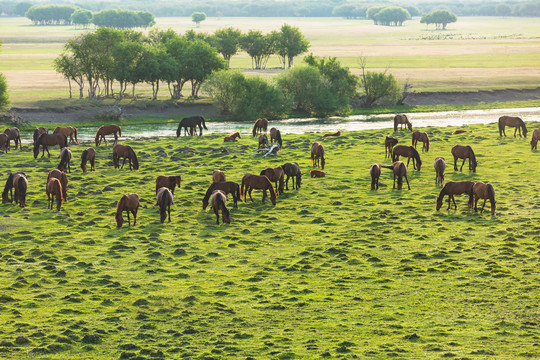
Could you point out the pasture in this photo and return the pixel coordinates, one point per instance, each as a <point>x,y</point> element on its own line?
<point>333,270</point>
<point>475,53</point>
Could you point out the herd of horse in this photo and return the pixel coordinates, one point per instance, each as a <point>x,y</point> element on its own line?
<point>269,180</point>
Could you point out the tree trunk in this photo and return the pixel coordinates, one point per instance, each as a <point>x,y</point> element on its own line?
<point>69,82</point>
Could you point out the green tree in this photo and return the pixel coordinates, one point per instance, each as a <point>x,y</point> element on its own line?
<point>440,18</point>
<point>378,86</point>
<point>126,56</point>
<point>198,17</point>
<point>68,66</point>
<point>224,88</point>
<point>4,95</point>
<point>50,14</point>
<point>227,42</point>
<point>22,7</point>
<point>290,42</point>
<point>81,17</point>
<point>391,15</point>
<point>201,60</point>
<point>372,12</point>
<point>258,46</point>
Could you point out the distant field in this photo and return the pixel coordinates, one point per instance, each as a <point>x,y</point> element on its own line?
<point>474,53</point>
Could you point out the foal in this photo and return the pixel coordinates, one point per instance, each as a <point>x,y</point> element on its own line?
<point>54,190</point>
<point>440,165</point>
<point>164,200</point>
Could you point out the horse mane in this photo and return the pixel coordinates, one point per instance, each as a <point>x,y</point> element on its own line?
<point>172,179</point>
<point>22,189</point>
<point>416,156</point>
<point>84,155</point>
<point>523,126</point>
<point>96,139</point>
<point>119,130</point>
<point>58,184</point>
<point>203,123</point>
<point>427,142</point>
<point>237,190</point>
<point>272,190</point>
<point>254,132</point>
<point>443,192</point>
<point>135,160</point>
<point>491,194</point>
<point>400,174</point>
<point>208,194</point>
<point>65,141</point>
<point>471,196</point>
<point>9,184</point>
<point>472,155</point>
<point>263,172</point>
<point>122,200</point>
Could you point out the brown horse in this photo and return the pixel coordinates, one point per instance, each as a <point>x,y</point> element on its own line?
<point>260,126</point>
<point>88,155</point>
<point>127,153</point>
<point>440,166</point>
<point>218,176</point>
<point>57,174</point>
<point>164,200</point>
<point>375,172</point>
<point>400,170</point>
<point>420,136</point>
<point>4,142</point>
<point>389,143</point>
<point>169,182</point>
<point>317,153</point>
<point>10,185</point>
<point>18,182</point>
<point>103,130</point>
<point>128,203</point>
<point>317,173</point>
<point>232,137</point>
<point>534,139</point>
<point>275,175</point>
<point>15,135</point>
<point>39,131</point>
<point>292,170</point>
<point>250,182</point>
<point>217,201</point>
<point>460,131</point>
<point>512,121</point>
<point>275,135</point>
<point>408,152</point>
<point>263,141</point>
<point>337,133</point>
<point>484,191</point>
<point>401,119</point>
<point>228,187</point>
<point>452,188</point>
<point>68,131</point>
<point>464,152</point>
<point>191,123</point>
<point>65,160</point>
<point>54,190</point>
<point>46,140</point>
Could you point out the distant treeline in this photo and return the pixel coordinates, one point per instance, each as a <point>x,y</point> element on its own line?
<point>306,8</point>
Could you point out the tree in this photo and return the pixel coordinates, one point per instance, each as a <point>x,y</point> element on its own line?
<point>123,19</point>
<point>50,14</point>
<point>504,10</point>
<point>81,17</point>
<point>440,18</point>
<point>198,17</point>
<point>4,96</point>
<point>391,15</point>
<point>372,12</point>
<point>258,46</point>
<point>22,7</point>
<point>201,60</point>
<point>227,42</point>
<point>224,87</point>
<point>290,42</point>
<point>126,56</point>
<point>68,66</point>
<point>378,86</point>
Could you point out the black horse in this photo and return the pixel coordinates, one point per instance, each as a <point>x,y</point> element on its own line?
<point>190,123</point>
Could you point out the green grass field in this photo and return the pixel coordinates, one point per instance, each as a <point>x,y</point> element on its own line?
<point>334,270</point>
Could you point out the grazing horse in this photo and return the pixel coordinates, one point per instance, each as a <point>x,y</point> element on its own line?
<point>464,152</point>
<point>20,183</point>
<point>228,187</point>
<point>389,143</point>
<point>217,200</point>
<point>164,200</point>
<point>460,131</point>
<point>250,182</point>
<point>408,152</point>
<point>68,131</point>
<point>317,153</point>
<point>39,131</point>
<point>47,140</point>
<point>440,166</point>
<point>54,190</point>
<point>401,119</point>
<point>275,175</point>
<point>128,203</point>
<point>8,189</point>
<point>88,155</point>
<point>400,170</point>
<point>534,139</point>
<point>218,176</point>
<point>4,142</point>
<point>484,191</point>
<point>292,170</point>
<point>259,126</point>
<point>420,136</point>
<point>125,152</point>
<point>337,133</point>
<point>14,134</point>
<point>169,182</point>
<point>512,121</point>
<point>263,141</point>
<point>190,123</point>
<point>232,137</point>
<point>275,135</point>
<point>452,188</point>
<point>317,173</point>
<point>65,159</point>
<point>60,175</point>
<point>108,130</point>
<point>375,172</point>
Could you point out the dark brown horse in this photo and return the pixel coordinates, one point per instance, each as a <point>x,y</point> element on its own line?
<point>88,155</point>
<point>317,173</point>
<point>263,141</point>
<point>217,201</point>
<point>484,191</point>
<point>337,133</point>
<point>228,187</point>
<point>189,123</point>
<point>20,183</point>
<point>103,130</point>
<point>127,153</point>
<point>54,190</point>
<point>47,140</point>
<point>4,142</point>
<point>534,139</point>
<point>375,172</point>
<point>408,152</point>
<point>164,200</point>
<point>232,137</point>
<point>400,170</point>
<point>7,194</point>
<point>57,174</point>
<point>464,152</point>
<point>317,153</point>
<point>292,170</point>
<point>218,176</point>
<point>250,182</point>
<point>169,182</point>
<point>39,131</point>
<point>260,126</point>
<point>15,135</point>
<point>389,143</point>
<point>70,131</point>
<point>275,135</point>
<point>420,136</point>
<point>128,203</point>
<point>452,188</point>
<point>512,121</point>
<point>440,166</point>
<point>277,176</point>
<point>401,119</point>
<point>65,160</point>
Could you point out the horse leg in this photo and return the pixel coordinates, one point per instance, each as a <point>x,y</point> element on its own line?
<point>123,162</point>
<point>217,215</point>
<point>475,203</point>
<point>455,163</point>
<point>408,161</point>
<point>515,131</point>
<point>129,221</point>
<point>249,192</point>
<point>407,180</point>
<point>394,181</point>
<point>169,211</point>
<point>461,168</point>
<point>264,196</point>
<point>454,200</point>
<point>287,183</point>
<point>482,210</point>
<point>134,212</point>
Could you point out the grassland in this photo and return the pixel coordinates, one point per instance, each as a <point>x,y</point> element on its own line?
<point>334,270</point>
<point>474,53</point>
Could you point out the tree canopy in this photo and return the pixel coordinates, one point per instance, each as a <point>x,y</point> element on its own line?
<point>440,18</point>
<point>388,15</point>
<point>197,17</point>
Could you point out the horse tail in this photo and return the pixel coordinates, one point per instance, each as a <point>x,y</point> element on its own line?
<point>491,194</point>
<point>21,186</point>
<point>523,127</point>
<point>118,208</point>
<point>501,126</point>
<point>242,188</point>
<point>373,177</point>
<point>272,190</point>
<point>278,138</point>
<point>254,132</point>
<point>84,158</point>
<point>401,171</point>
<point>134,158</point>
<point>471,196</point>
<point>237,190</point>
<point>165,199</point>
<point>119,131</point>
<point>203,123</point>
<point>63,160</point>
<point>472,155</point>
<point>97,135</point>
<point>75,130</point>
<point>60,191</point>
<point>427,143</point>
